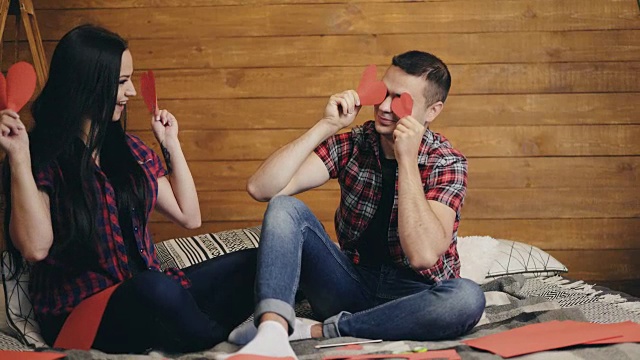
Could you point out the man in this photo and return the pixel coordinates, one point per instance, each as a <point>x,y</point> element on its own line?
<point>402,187</point>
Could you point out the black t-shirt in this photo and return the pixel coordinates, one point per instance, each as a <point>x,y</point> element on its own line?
<point>373,247</point>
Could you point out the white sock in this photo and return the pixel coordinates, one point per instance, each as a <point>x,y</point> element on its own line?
<point>247,331</point>
<point>271,340</point>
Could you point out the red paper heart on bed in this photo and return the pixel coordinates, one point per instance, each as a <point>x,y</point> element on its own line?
<point>148,88</point>
<point>402,106</point>
<point>370,90</point>
<point>20,85</point>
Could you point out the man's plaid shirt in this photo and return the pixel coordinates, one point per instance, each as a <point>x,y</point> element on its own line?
<point>353,159</point>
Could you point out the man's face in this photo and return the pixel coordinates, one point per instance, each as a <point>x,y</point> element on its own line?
<point>397,82</point>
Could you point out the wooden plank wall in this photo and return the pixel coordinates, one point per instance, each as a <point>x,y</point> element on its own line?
<point>544,103</point>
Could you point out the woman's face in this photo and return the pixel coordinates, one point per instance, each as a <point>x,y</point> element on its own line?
<point>125,85</point>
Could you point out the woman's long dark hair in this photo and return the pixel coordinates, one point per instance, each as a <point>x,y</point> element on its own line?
<point>83,84</point>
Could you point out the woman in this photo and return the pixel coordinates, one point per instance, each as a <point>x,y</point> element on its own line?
<point>79,195</point>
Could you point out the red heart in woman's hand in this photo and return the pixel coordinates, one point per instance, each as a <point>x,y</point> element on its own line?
<point>148,88</point>
<point>17,89</point>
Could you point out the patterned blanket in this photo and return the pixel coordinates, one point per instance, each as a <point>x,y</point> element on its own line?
<point>512,302</point>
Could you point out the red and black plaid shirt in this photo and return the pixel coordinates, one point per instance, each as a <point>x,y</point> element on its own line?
<point>54,289</point>
<point>353,158</point>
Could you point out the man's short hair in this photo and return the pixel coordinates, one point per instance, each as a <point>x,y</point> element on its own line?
<point>434,70</point>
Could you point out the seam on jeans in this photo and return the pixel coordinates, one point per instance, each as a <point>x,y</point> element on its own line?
<point>331,248</point>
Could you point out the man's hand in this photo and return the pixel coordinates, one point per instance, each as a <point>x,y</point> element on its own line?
<point>342,109</point>
<point>407,138</point>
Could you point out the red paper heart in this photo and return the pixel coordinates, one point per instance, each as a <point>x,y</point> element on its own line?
<point>148,88</point>
<point>370,90</point>
<point>3,92</point>
<point>20,85</point>
<point>402,106</point>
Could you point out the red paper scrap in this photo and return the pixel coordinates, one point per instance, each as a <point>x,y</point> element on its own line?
<point>630,333</point>
<point>541,337</point>
<point>81,327</point>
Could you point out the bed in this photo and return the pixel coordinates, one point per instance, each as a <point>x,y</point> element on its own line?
<point>522,284</point>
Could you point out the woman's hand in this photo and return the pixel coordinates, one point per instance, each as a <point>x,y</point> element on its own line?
<point>165,126</point>
<point>14,140</point>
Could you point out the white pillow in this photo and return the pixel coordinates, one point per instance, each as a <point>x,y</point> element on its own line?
<point>518,258</point>
<point>483,258</point>
<point>477,254</point>
<point>20,316</point>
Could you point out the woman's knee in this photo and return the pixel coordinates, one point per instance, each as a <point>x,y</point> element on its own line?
<point>153,287</point>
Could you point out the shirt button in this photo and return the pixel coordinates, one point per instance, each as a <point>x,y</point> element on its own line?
<point>135,228</point>
<point>150,268</point>
<point>141,251</point>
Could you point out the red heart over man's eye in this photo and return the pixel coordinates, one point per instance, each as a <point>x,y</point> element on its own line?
<point>370,90</point>
<point>402,106</point>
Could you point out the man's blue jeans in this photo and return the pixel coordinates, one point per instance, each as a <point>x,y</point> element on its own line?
<point>383,302</point>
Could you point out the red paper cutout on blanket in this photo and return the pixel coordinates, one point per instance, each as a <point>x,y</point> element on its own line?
<point>449,354</point>
<point>18,87</point>
<point>30,355</point>
<point>371,91</point>
<point>545,336</point>
<point>403,105</point>
<point>630,333</point>
<point>257,357</point>
<point>81,327</point>
<point>148,88</point>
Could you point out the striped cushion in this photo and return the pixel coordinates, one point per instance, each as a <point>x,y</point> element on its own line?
<point>184,252</point>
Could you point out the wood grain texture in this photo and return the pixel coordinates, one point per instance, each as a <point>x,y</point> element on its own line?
<point>484,173</point>
<point>480,79</point>
<point>596,265</point>
<point>591,203</point>
<point>464,16</point>
<point>548,234</point>
<point>499,141</point>
<point>460,110</point>
<point>125,4</point>
<point>361,50</point>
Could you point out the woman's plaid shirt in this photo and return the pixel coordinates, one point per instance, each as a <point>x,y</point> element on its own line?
<point>352,158</point>
<point>56,287</point>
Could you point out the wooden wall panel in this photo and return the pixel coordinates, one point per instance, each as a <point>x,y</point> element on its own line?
<point>543,172</point>
<point>549,234</point>
<point>498,141</point>
<point>543,103</point>
<point>479,204</point>
<point>357,50</point>
<point>324,81</point>
<point>460,110</point>
<point>463,16</point>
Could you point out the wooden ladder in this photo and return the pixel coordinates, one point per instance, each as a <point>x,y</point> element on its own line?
<point>24,9</point>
